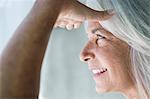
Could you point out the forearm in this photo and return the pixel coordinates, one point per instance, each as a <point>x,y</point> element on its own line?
<point>21,60</point>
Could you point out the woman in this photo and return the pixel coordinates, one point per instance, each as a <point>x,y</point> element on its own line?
<point>118,50</point>
<point>21,60</point>
<point>31,38</point>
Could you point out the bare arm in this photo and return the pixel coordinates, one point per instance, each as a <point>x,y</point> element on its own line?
<point>21,60</point>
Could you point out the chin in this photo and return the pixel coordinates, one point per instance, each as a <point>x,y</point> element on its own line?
<point>102,90</point>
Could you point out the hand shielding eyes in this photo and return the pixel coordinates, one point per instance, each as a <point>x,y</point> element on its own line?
<point>74,13</point>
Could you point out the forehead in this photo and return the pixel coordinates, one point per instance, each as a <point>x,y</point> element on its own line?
<point>92,27</point>
<point>93,30</point>
<point>92,33</point>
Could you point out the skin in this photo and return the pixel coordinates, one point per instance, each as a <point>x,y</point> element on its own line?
<point>111,53</point>
<point>20,61</point>
<point>22,58</point>
<point>76,13</point>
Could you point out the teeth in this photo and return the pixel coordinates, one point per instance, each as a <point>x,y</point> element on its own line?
<point>95,71</point>
<point>102,70</point>
<point>98,71</point>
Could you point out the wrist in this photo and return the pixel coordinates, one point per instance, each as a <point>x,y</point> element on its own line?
<point>54,4</point>
<point>67,6</point>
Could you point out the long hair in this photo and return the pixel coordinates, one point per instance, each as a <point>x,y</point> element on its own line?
<point>131,23</point>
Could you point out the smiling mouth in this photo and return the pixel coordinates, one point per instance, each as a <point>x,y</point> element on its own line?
<point>98,72</point>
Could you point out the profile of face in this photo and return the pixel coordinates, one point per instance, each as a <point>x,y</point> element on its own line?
<point>108,59</point>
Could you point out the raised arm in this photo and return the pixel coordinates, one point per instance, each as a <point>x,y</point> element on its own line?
<point>21,60</point>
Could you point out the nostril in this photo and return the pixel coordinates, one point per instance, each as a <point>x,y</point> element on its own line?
<point>86,55</point>
<point>86,59</point>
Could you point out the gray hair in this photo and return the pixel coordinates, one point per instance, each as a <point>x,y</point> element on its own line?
<point>132,25</point>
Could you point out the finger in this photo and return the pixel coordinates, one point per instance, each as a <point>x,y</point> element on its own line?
<point>69,26</point>
<point>77,24</point>
<point>57,23</point>
<point>69,20</point>
<point>72,23</point>
<point>62,24</point>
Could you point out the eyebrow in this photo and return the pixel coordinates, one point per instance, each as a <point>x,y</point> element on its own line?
<point>95,30</point>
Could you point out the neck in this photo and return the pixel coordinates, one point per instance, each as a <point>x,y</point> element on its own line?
<point>131,93</point>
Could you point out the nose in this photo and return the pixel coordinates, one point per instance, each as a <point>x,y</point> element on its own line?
<point>87,54</point>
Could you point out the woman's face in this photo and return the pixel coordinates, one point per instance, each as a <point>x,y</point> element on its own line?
<point>107,58</point>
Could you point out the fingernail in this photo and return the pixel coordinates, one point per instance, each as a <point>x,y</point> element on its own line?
<point>110,11</point>
<point>76,26</point>
<point>62,26</point>
<point>69,27</point>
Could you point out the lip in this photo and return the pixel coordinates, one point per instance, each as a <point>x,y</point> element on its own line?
<point>92,67</point>
<point>99,75</point>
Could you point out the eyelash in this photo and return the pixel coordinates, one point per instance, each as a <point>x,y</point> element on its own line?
<point>99,37</point>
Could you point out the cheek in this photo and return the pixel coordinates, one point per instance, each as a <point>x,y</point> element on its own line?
<point>112,60</point>
<point>115,58</point>
<point>102,42</point>
<point>107,55</point>
<point>112,52</point>
<point>118,76</point>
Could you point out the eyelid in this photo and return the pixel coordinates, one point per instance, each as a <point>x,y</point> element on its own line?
<point>98,35</point>
<point>103,32</point>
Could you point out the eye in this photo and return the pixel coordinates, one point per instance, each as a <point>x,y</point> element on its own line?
<point>99,37</point>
